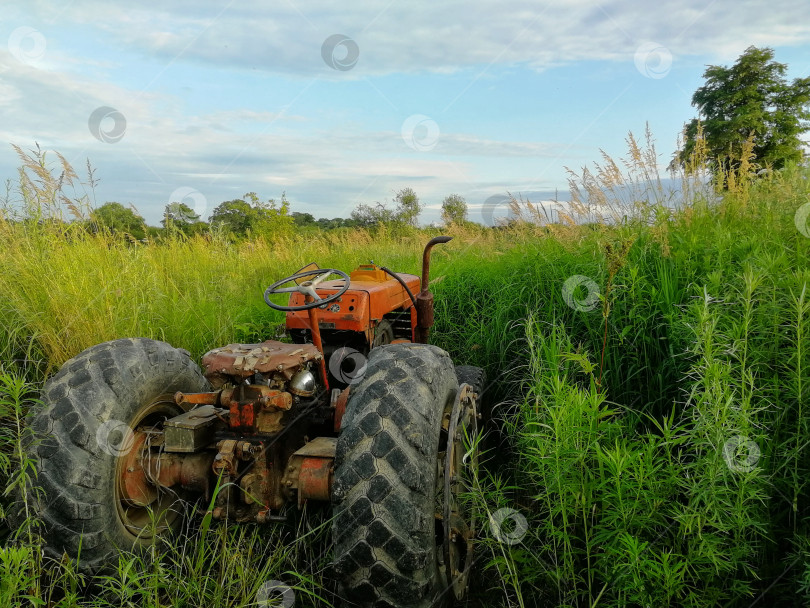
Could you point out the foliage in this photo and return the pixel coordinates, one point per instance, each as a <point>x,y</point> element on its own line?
<point>405,213</point>
<point>408,207</point>
<point>182,218</point>
<point>751,99</point>
<point>454,209</point>
<point>250,216</point>
<point>117,218</point>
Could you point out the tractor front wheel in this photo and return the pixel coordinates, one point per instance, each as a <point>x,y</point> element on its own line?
<point>389,480</point>
<point>103,406</point>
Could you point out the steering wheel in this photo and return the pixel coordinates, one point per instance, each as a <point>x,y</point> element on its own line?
<point>307,288</point>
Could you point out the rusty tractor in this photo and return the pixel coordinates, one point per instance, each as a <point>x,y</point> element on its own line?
<point>357,409</point>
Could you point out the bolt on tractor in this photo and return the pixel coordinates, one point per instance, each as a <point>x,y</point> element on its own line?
<point>357,410</point>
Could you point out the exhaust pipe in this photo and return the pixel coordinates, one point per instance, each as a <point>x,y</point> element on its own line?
<point>424,300</point>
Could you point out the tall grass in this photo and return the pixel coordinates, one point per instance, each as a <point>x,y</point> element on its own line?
<point>656,441</point>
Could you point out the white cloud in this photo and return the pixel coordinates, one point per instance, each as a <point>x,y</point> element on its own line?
<point>424,35</point>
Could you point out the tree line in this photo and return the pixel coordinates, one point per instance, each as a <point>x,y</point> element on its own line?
<point>250,216</point>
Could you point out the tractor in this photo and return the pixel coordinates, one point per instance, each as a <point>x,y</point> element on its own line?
<point>356,410</point>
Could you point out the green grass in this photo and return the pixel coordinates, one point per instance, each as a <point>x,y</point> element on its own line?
<point>626,430</point>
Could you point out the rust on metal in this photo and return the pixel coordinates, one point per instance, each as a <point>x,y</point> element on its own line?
<point>458,520</point>
<point>310,470</point>
<point>270,357</point>
<point>136,490</point>
<point>145,471</point>
<point>315,330</point>
<point>196,398</point>
<point>188,471</point>
<point>424,299</point>
<point>339,401</point>
<point>315,479</point>
<point>256,408</point>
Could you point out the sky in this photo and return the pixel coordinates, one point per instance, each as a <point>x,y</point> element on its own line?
<point>338,104</point>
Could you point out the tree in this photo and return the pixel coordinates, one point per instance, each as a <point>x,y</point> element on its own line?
<point>406,212</point>
<point>183,218</point>
<point>454,209</point>
<point>366,215</point>
<point>752,98</point>
<point>249,215</point>
<point>408,207</point>
<point>118,218</point>
<point>302,219</point>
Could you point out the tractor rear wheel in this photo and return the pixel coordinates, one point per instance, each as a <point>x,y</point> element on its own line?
<point>388,486</point>
<point>101,407</point>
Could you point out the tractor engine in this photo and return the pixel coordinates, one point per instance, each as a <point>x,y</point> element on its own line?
<point>268,399</point>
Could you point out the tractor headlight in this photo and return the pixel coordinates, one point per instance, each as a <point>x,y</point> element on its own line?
<point>303,384</point>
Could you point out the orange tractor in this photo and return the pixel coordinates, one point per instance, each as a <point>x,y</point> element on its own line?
<point>358,411</point>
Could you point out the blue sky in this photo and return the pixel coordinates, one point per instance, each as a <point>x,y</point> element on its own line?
<point>341,105</point>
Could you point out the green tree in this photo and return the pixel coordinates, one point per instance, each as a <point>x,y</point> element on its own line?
<point>752,98</point>
<point>454,209</point>
<point>183,218</point>
<point>408,207</point>
<point>251,216</point>
<point>118,218</point>
<point>366,215</point>
<point>303,220</point>
<point>406,212</point>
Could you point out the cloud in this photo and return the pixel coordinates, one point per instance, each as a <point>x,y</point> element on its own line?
<point>396,37</point>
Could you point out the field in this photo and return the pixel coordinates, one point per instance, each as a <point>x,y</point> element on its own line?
<point>650,372</point>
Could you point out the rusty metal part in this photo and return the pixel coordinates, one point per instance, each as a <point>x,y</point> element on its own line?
<point>424,316</point>
<point>424,299</point>
<point>192,399</point>
<point>316,340</point>
<point>254,487</point>
<point>145,472</point>
<point>315,479</point>
<point>225,460</point>
<point>270,357</point>
<point>135,488</point>
<point>310,469</point>
<point>426,258</point>
<point>187,471</point>
<point>339,401</point>
<point>192,430</point>
<point>459,526</point>
<point>256,408</point>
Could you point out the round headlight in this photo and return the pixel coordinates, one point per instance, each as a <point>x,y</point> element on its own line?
<point>303,384</point>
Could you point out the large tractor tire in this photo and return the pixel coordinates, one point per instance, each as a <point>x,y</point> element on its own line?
<point>387,538</point>
<point>96,410</point>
